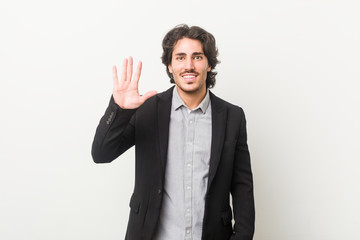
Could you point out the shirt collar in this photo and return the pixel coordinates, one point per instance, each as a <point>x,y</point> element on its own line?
<point>177,102</point>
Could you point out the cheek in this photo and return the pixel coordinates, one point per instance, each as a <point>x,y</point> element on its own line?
<point>206,69</point>
<point>176,69</point>
<point>203,68</point>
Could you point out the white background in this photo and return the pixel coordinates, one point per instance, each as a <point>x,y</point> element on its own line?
<point>292,65</point>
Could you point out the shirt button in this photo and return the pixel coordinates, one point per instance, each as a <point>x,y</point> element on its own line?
<point>191,122</point>
<point>188,187</point>
<point>188,231</point>
<point>189,165</point>
<point>188,210</point>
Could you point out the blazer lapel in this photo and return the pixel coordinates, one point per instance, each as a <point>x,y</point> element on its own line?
<point>163,114</point>
<point>218,135</point>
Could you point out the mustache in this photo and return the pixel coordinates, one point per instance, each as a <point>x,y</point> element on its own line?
<point>189,71</point>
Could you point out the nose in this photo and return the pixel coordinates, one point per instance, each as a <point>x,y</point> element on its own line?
<point>189,64</point>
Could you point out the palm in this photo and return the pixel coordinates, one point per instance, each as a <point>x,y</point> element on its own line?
<point>125,92</point>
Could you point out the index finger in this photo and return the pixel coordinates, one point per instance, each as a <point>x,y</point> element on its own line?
<point>137,74</point>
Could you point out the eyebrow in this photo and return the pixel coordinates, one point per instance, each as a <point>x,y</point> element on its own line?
<point>193,54</point>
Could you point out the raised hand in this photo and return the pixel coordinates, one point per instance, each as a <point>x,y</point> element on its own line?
<point>126,92</point>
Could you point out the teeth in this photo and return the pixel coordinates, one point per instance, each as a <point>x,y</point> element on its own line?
<point>188,76</point>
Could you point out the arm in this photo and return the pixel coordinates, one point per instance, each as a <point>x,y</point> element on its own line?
<point>115,132</point>
<point>242,189</point>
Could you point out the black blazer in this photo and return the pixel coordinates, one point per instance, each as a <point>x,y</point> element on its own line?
<point>148,129</point>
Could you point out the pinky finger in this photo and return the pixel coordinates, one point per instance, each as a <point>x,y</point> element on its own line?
<point>115,77</point>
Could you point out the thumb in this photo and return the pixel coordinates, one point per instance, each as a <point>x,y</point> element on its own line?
<point>147,95</point>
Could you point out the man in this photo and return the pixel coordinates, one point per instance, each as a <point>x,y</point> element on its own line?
<point>191,147</point>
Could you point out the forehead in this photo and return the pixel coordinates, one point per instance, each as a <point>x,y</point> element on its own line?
<point>187,46</point>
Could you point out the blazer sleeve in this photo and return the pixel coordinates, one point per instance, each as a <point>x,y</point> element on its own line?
<point>115,133</point>
<point>242,188</point>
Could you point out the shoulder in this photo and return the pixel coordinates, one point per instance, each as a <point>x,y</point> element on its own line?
<point>220,103</point>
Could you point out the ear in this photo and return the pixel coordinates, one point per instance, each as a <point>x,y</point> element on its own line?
<point>170,68</point>
<point>209,69</point>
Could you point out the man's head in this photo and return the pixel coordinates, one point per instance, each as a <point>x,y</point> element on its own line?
<point>208,48</point>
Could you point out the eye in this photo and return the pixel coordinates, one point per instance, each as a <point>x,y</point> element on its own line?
<point>198,57</point>
<point>180,58</point>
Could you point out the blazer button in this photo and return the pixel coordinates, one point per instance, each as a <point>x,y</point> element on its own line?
<point>159,191</point>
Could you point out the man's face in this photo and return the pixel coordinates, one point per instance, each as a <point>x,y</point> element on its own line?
<point>189,66</point>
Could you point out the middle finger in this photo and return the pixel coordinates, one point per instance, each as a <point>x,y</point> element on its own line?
<point>129,69</point>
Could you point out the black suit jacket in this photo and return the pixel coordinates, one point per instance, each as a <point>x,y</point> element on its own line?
<point>229,172</point>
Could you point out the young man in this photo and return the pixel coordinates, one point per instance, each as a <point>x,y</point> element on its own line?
<point>191,147</point>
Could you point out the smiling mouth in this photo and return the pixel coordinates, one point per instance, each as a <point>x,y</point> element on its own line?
<point>189,77</point>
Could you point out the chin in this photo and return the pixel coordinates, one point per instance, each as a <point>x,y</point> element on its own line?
<point>190,89</point>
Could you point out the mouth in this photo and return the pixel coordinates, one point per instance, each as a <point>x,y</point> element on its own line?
<point>188,77</point>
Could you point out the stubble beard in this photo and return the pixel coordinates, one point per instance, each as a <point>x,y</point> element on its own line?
<point>193,91</point>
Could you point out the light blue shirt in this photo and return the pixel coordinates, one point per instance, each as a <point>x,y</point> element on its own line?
<point>187,168</point>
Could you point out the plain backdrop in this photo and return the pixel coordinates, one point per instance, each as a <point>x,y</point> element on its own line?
<point>292,65</point>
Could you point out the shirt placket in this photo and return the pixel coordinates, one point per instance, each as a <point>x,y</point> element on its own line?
<point>188,180</point>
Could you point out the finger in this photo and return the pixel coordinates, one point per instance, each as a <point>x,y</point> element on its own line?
<point>137,74</point>
<point>147,95</point>
<point>123,71</point>
<point>115,78</point>
<point>129,69</point>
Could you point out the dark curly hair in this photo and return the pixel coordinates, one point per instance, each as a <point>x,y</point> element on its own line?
<point>207,41</point>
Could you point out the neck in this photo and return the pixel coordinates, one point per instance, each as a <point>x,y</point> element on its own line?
<point>192,99</point>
